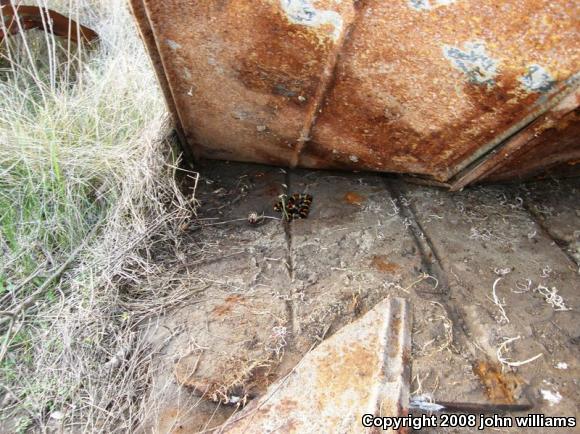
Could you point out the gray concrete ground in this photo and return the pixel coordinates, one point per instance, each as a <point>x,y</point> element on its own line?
<point>492,274</point>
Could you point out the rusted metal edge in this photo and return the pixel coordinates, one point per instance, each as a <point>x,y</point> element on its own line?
<point>386,332</point>
<point>329,75</point>
<point>394,396</point>
<point>145,30</point>
<point>18,18</point>
<point>421,180</point>
<point>553,99</point>
<point>487,164</point>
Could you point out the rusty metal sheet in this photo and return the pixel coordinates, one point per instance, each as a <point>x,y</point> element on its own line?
<point>16,18</point>
<point>364,368</point>
<point>423,87</point>
<point>550,144</point>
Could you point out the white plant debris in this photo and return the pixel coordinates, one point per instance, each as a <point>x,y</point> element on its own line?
<point>396,209</point>
<point>480,235</point>
<point>552,397</point>
<point>502,271</point>
<point>522,287</point>
<point>277,340</point>
<point>546,271</point>
<point>500,304</point>
<point>505,361</point>
<point>552,297</point>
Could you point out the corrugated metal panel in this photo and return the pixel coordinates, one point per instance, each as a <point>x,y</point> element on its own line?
<point>425,87</point>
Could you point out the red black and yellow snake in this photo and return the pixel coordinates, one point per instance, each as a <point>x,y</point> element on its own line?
<point>294,207</point>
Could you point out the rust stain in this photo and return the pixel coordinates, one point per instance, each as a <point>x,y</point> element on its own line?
<point>550,148</point>
<point>550,142</point>
<point>382,264</point>
<point>229,303</point>
<point>287,406</point>
<point>499,387</point>
<point>336,372</point>
<point>283,59</point>
<point>353,198</point>
<point>273,189</point>
<point>250,83</point>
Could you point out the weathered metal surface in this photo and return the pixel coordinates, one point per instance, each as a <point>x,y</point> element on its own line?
<point>17,18</point>
<point>551,142</point>
<point>425,87</point>
<point>363,369</point>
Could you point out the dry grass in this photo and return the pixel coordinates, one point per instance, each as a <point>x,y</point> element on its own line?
<point>87,196</point>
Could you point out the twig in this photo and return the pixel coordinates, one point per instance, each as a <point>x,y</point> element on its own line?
<point>25,282</point>
<point>504,361</point>
<point>498,303</point>
<point>31,299</point>
<point>6,341</point>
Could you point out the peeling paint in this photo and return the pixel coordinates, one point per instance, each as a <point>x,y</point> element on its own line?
<point>537,79</point>
<point>303,12</point>
<point>473,61</point>
<point>425,5</point>
<point>420,5</point>
<point>172,44</point>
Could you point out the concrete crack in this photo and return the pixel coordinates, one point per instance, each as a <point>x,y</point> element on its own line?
<point>290,266</point>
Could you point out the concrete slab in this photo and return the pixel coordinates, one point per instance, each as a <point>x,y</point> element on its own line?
<point>224,346</point>
<point>555,204</point>
<point>352,252</point>
<point>362,369</point>
<point>268,293</point>
<point>484,238</point>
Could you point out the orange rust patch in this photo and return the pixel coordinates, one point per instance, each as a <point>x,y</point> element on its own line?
<point>381,264</point>
<point>234,298</point>
<point>353,198</point>
<point>287,406</point>
<point>284,59</point>
<point>394,332</point>
<point>351,368</point>
<point>229,304</point>
<point>499,387</point>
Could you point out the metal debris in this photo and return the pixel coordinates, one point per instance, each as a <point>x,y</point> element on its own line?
<point>16,19</point>
<point>432,88</point>
<point>363,369</point>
